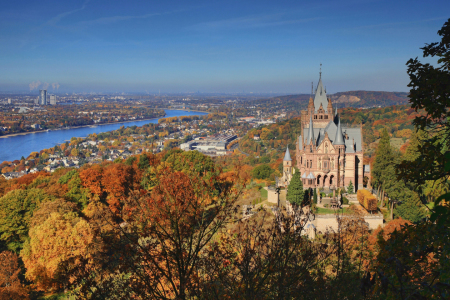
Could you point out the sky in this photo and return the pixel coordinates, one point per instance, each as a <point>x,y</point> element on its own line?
<point>213,46</point>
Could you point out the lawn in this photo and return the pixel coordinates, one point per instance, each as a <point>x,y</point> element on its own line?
<point>324,211</point>
<point>263,193</point>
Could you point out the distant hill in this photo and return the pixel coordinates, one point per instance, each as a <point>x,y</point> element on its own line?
<point>370,98</point>
<point>350,99</point>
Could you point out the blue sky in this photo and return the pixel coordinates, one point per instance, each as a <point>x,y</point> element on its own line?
<point>213,46</point>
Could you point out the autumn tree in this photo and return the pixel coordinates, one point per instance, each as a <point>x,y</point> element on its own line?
<point>55,248</point>
<point>164,235</point>
<point>10,286</point>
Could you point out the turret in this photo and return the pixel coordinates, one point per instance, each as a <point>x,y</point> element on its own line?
<point>310,139</point>
<point>339,139</point>
<point>287,162</point>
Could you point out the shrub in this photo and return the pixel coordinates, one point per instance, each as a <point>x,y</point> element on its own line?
<point>367,200</point>
<point>330,195</point>
<point>344,200</point>
<point>262,172</point>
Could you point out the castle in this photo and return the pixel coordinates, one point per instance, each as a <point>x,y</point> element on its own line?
<point>329,155</point>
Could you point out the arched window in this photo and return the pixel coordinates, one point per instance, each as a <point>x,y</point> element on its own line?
<point>326,117</point>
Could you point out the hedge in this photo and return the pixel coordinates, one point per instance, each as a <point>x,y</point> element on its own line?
<point>367,200</point>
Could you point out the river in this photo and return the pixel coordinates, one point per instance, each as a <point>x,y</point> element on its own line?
<point>14,147</point>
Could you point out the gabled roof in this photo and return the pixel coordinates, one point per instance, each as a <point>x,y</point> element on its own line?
<point>311,176</point>
<point>320,98</point>
<point>287,155</point>
<point>352,144</point>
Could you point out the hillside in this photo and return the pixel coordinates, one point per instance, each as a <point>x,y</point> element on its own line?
<point>344,99</point>
<point>397,119</point>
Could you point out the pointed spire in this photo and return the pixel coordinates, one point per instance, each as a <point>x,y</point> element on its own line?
<point>339,139</point>
<point>287,155</point>
<point>310,132</point>
<point>320,96</point>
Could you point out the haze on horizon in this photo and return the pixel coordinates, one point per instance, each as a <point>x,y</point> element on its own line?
<point>210,46</point>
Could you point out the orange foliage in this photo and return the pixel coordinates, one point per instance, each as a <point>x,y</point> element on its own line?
<point>366,199</point>
<point>10,286</point>
<point>387,230</point>
<point>55,247</point>
<point>117,181</point>
<point>91,178</point>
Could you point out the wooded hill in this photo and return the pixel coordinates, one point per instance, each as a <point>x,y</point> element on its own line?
<point>397,119</point>
<point>344,99</point>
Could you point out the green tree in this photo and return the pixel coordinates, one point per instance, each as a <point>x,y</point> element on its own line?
<point>383,165</point>
<point>143,162</point>
<point>16,210</point>
<point>262,172</point>
<point>315,196</point>
<point>410,209</point>
<point>350,188</point>
<point>413,263</point>
<point>295,193</point>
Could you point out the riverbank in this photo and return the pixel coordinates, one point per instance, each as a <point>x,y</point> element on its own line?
<point>21,144</point>
<point>205,112</point>
<point>75,127</point>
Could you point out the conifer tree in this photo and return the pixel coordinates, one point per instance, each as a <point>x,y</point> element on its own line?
<point>383,166</point>
<point>417,138</point>
<point>350,188</point>
<point>295,192</point>
<point>411,208</point>
<point>315,196</point>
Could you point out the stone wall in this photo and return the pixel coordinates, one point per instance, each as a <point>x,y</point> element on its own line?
<point>272,197</point>
<point>323,222</point>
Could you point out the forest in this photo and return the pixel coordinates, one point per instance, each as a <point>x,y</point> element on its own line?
<point>169,225</point>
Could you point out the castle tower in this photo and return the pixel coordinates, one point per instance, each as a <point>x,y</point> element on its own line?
<point>287,162</point>
<point>339,144</point>
<point>320,107</point>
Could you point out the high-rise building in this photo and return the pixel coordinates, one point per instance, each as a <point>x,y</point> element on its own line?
<point>52,99</point>
<point>43,97</point>
<point>9,101</point>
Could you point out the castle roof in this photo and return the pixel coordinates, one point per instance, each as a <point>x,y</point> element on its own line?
<point>352,144</point>
<point>339,138</point>
<point>309,176</point>
<point>320,98</point>
<point>310,136</point>
<point>287,155</point>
